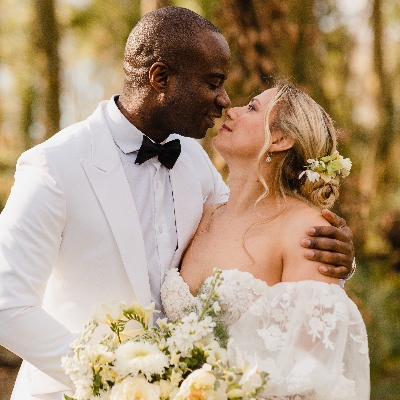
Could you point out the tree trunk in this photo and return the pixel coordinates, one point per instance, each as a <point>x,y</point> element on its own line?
<point>49,63</point>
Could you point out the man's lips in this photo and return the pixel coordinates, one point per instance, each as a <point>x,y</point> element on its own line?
<point>211,118</point>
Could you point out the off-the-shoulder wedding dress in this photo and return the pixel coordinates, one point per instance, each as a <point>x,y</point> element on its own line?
<point>309,336</point>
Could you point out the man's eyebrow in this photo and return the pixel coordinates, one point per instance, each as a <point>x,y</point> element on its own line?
<point>218,75</point>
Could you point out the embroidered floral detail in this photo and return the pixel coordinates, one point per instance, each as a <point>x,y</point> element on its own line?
<point>362,338</point>
<point>324,311</point>
<point>281,311</point>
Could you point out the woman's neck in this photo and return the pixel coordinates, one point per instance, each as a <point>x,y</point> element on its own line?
<point>245,189</point>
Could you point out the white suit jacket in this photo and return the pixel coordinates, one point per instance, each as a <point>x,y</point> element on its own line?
<point>70,238</point>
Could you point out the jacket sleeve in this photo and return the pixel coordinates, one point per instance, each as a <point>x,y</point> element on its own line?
<point>220,191</point>
<point>31,227</point>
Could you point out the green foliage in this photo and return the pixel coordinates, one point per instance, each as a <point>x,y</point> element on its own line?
<point>307,42</point>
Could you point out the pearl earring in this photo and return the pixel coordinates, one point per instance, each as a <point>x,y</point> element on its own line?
<point>268,159</point>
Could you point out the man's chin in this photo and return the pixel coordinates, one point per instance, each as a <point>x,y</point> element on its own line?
<point>194,135</point>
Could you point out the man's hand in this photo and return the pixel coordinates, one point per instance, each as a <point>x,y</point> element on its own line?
<point>332,246</point>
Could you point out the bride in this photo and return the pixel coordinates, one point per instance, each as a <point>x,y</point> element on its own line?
<point>297,324</point>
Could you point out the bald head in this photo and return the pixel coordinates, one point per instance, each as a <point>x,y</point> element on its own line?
<point>170,35</point>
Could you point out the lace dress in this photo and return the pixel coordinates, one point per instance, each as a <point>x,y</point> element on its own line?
<point>309,336</point>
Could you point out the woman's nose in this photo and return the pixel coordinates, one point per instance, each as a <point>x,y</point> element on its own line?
<point>229,113</point>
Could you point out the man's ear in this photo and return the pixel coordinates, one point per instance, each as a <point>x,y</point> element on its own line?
<point>159,75</point>
<point>281,142</point>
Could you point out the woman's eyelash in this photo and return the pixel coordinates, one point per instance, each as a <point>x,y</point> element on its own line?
<point>251,106</point>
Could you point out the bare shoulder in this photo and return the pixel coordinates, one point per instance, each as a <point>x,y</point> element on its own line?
<point>208,210</point>
<point>298,217</point>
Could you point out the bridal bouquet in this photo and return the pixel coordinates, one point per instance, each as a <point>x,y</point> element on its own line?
<point>185,359</point>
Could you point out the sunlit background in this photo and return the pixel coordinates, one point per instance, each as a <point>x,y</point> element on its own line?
<point>60,58</point>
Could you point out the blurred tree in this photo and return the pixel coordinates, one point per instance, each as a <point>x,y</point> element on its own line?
<point>46,43</point>
<point>151,5</point>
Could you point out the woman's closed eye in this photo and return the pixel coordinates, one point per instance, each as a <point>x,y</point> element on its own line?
<point>251,107</point>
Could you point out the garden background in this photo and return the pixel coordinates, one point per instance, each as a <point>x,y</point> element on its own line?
<point>59,58</point>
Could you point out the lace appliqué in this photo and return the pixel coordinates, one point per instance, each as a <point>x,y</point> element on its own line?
<point>238,292</point>
<point>176,296</point>
<point>324,311</point>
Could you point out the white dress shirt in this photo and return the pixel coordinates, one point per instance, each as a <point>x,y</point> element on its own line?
<point>152,192</point>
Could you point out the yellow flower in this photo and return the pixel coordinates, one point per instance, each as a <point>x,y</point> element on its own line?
<point>135,389</point>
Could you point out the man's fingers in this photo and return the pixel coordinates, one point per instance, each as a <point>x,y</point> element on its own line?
<point>327,257</point>
<point>333,219</point>
<point>338,272</point>
<point>332,245</point>
<point>343,234</point>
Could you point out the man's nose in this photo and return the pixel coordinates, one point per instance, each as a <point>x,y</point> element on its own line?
<point>223,99</point>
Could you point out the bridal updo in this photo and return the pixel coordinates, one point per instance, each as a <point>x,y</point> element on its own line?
<point>299,117</point>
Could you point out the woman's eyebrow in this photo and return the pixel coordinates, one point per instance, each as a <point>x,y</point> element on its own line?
<point>254,99</point>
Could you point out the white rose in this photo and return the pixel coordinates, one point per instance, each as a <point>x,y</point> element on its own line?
<point>135,389</point>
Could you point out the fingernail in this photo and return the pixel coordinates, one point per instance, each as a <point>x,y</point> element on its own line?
<point>311,231</point>
<point>306,242</point>
<point>309,254</point>
<point>323,269</point>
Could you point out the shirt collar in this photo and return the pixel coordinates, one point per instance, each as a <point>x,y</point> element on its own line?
<point>126,136</point>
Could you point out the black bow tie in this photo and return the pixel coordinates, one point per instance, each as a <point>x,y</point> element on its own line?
<point>167,153</point>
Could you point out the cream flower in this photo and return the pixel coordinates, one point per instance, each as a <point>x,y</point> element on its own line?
<point>145,313</point>
<point>107,313</point>
<point>250,380</point>
<point>346,166</point>
<point>167,389</point>
<point>214,353</point>
<point>135,389</point>
<point>135,357</point>
<point>176,377</point>
<point>200,385</point>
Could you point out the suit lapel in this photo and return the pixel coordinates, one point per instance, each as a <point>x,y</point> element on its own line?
<point>107,177</point>
<point>188,203</point>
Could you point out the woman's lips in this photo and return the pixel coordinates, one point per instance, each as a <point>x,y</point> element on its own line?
<point>226,128</point>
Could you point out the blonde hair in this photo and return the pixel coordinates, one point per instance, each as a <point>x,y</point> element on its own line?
<point>299,117</point>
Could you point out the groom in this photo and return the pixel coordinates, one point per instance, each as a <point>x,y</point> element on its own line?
<point>99,211</point>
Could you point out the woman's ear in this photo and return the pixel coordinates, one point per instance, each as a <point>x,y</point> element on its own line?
<point>159,75</point>
<point>280,142</point>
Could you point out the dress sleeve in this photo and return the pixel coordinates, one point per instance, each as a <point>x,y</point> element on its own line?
<point>311,339</point>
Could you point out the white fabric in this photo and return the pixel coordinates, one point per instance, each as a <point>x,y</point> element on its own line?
<point>154,201</point>
<point>70,237</point>
<point>309,336</point>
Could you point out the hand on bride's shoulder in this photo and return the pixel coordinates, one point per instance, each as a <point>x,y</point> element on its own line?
<point>296,220</point>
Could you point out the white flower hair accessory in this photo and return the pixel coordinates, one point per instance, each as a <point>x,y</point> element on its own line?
<point>327,167</point>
